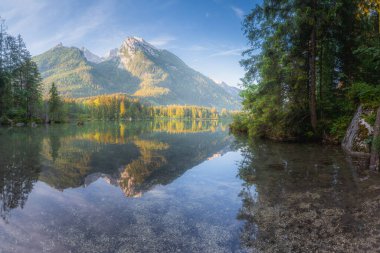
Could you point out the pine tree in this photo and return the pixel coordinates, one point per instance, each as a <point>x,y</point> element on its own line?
<point>54,103</point>
<point>19,78</point>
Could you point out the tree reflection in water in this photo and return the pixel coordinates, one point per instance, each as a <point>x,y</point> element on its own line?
<point>306,198</point>
<point>19,169</point>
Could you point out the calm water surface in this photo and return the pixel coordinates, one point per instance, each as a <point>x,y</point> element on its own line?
<point>179,186</point>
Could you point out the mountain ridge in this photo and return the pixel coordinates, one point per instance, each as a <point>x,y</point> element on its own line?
<point>136,68</point>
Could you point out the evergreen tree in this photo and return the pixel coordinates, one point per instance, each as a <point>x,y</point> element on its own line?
<point>54,103</point>
<point>19,78</point>
<point>31,88</point>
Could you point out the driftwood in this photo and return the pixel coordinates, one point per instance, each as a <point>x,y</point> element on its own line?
<point>374,163</point>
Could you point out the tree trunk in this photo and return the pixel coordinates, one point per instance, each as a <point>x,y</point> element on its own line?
<point>312,74</point>
<point>374,163</point>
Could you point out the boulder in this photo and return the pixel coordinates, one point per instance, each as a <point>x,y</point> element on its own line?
<point>356,140</point>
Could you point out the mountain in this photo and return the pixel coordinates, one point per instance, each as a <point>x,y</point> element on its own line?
<point>233,91</point>
<point>76,76</point>
<point>136,68</point>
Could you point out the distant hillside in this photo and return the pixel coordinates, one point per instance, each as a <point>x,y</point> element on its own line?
<point>136,68</point>
<point>233,91</point>
<point>75,76</point>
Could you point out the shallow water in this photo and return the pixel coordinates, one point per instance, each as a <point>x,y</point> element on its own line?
<point>179,186</point>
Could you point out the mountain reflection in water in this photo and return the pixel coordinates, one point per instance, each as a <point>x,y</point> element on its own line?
<point>133,156</point>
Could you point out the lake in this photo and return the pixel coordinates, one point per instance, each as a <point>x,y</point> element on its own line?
<point>179,186</point>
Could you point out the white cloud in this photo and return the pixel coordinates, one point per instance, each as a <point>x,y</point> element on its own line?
<point>40,25</point>
<point>21,17</point>
<point>238,12</point>
<point>230,52</point>
<point>161,41</point>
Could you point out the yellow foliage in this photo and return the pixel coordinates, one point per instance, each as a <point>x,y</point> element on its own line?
<point>122,109</point>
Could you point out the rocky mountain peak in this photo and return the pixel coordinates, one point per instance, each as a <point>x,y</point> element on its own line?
<point>91,57</point>
<point>135,44</point>
<point>113,53</point>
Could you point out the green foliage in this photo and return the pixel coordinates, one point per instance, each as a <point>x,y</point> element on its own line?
<point>370,118</point>
<point>55,104</point>
<point>339,127</point>
<point>365,94</point>
<point>369,58</point>
<point>240,123</point>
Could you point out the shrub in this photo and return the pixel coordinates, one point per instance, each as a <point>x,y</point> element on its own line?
<point>370,118</point>
<point>365,94</point>
<point>240,123</point>
<point>339,127</point>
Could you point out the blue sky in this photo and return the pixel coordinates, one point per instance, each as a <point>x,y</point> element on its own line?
<point>206,34</point>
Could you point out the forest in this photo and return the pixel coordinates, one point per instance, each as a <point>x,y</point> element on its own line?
<point>20,81</point>
<point>309,65</point>
<point>122,106</point>
<point>187,111</point>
